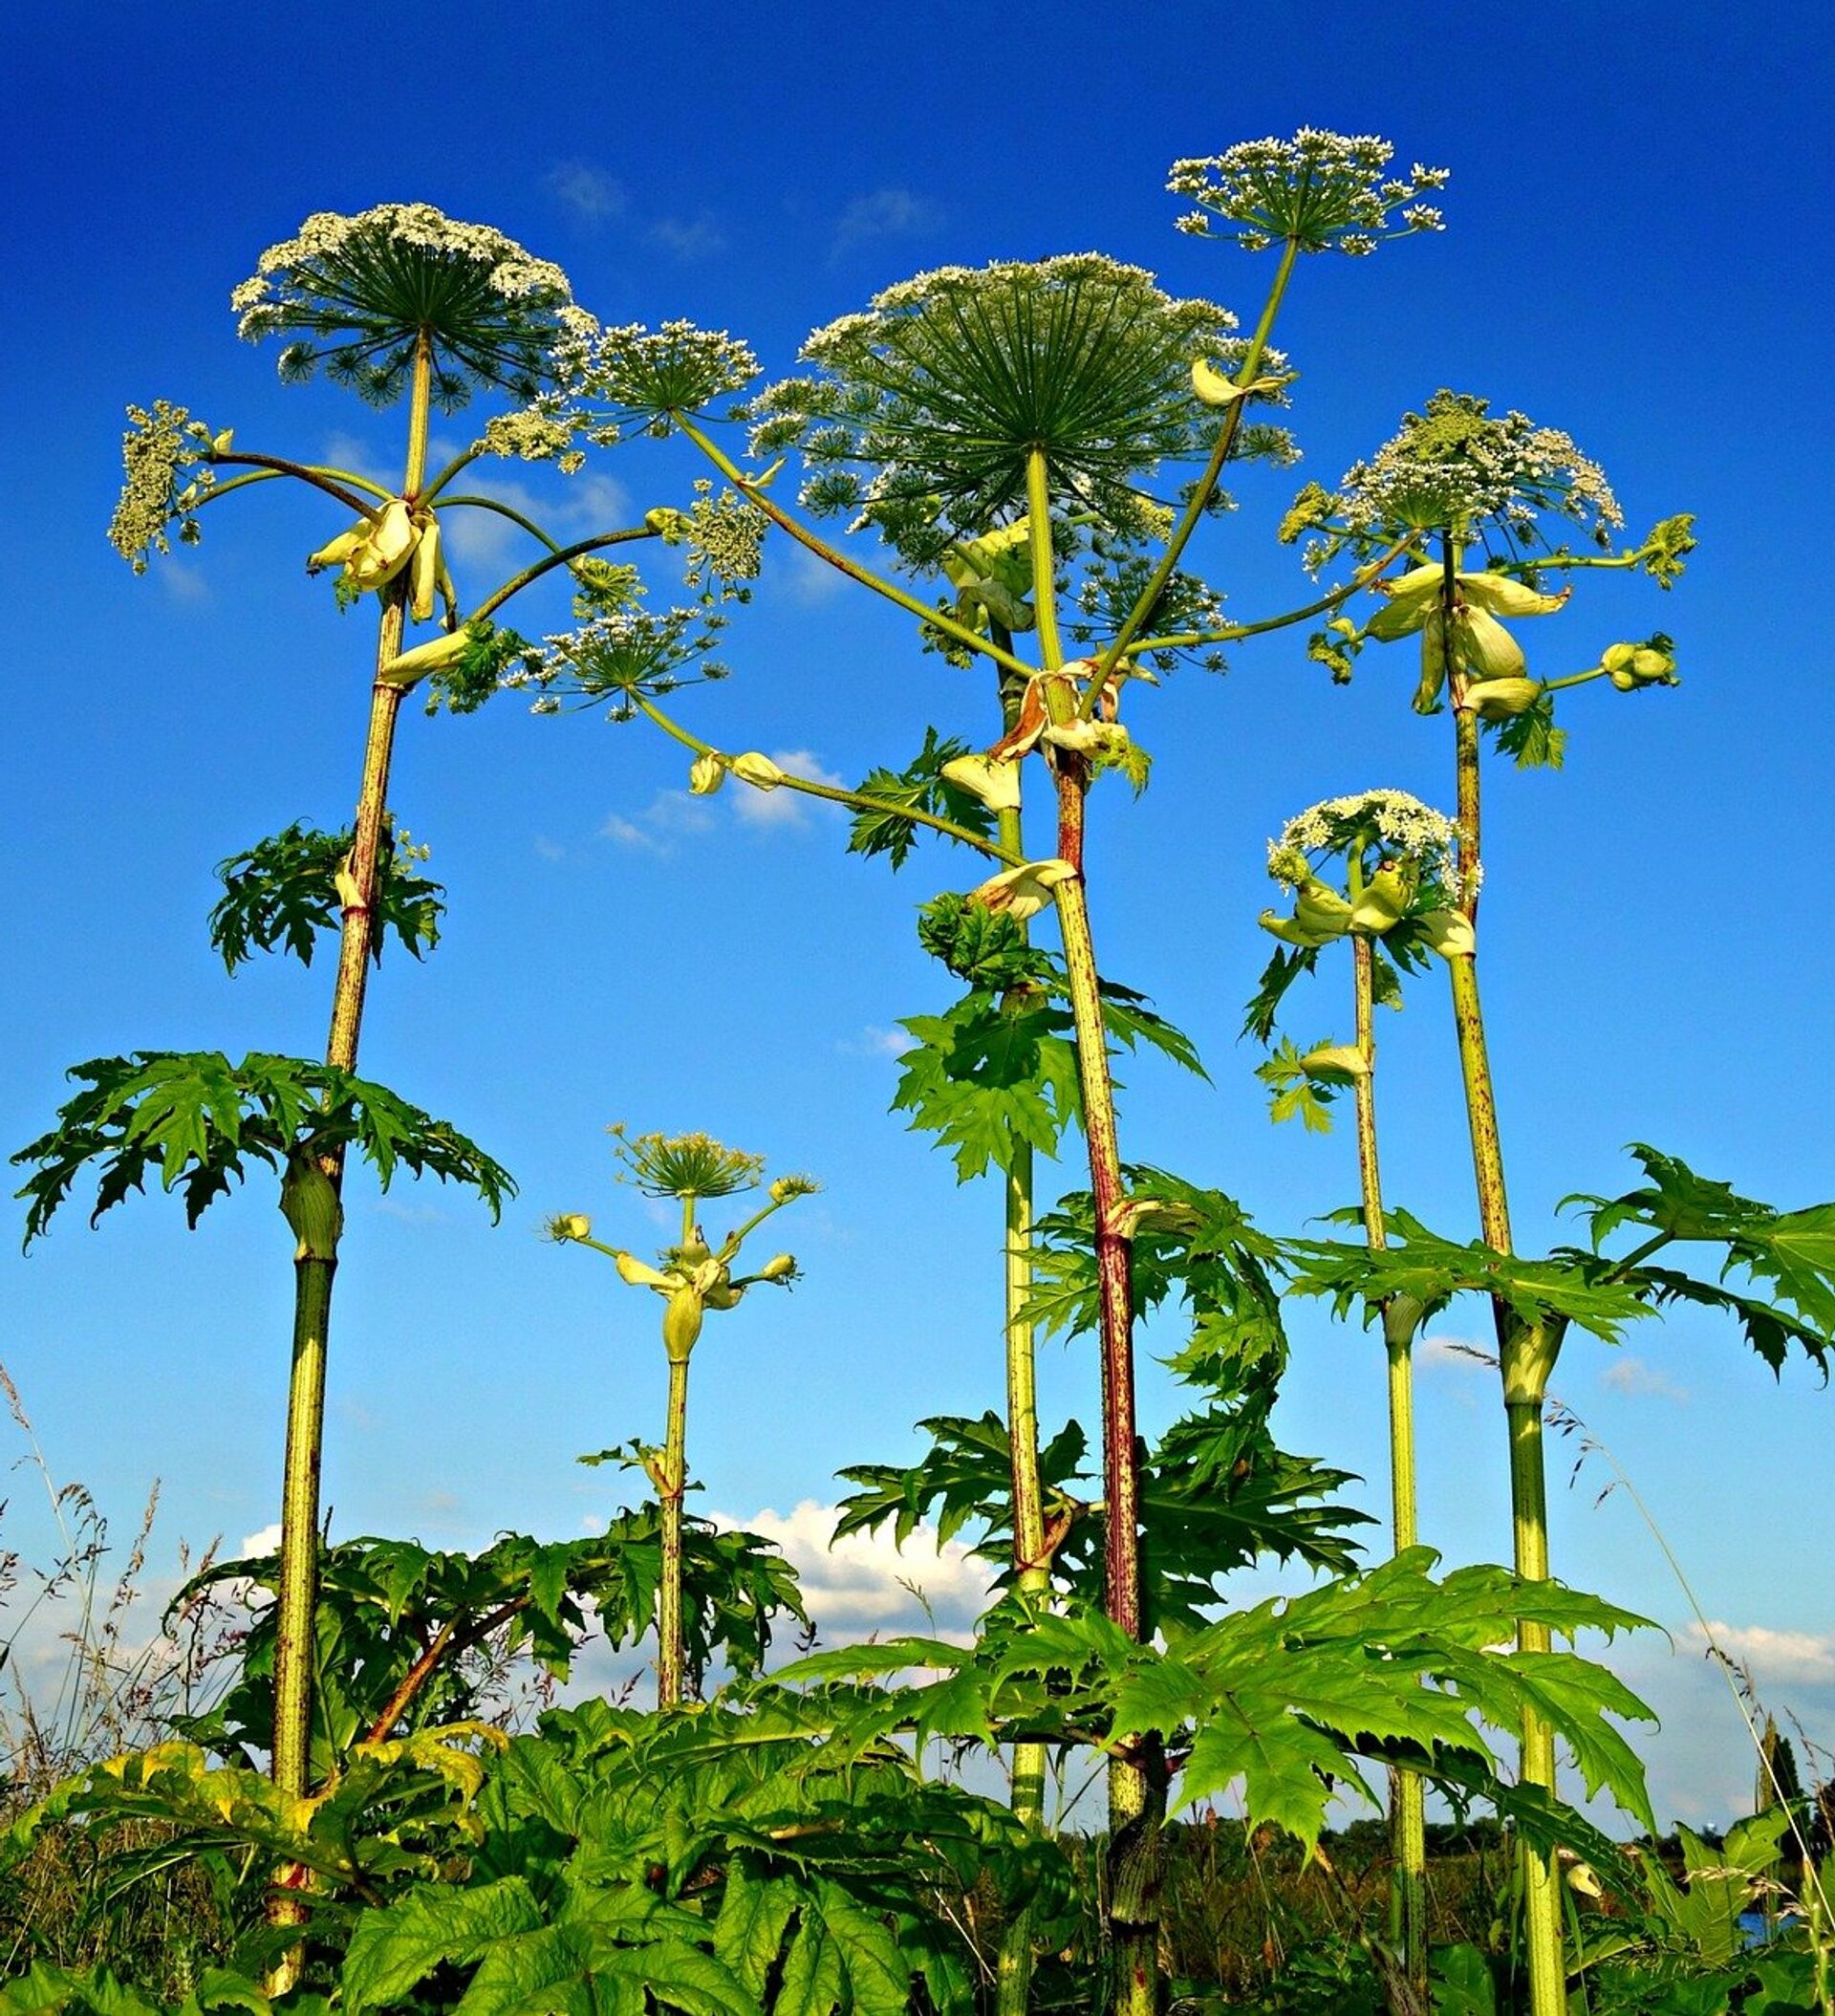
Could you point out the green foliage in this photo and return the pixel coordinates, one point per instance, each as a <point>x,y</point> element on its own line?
<point>283,892</point>
<point>194,1116</point>
<point>1568,1287</point>
<point>382,1604</point>
<point>1188,1238</point>
<point>998,1070</point>
<point>991,1072</point>
<point>1532,737</point>
<point>987,948</point>
<point>1272,1705</point>
<point>1301,1086</point>
<point>1791,1253</point>
<point>919,787</point>
<point>492,655</point>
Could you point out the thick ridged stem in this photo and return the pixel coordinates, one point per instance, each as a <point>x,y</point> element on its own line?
<point>1407,1798</point>
<point>671,1484</point>
<point>297,1596</point>
<point>1136,1781</point>
<point>1013,1972</point>
<point>1527,1356</point>
<point>299,1524</point>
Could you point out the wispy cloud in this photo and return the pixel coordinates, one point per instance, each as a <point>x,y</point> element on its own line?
<point>580,505</point>
<point>549,850</point>
<point>864,1585</point>
<point>668,817</point>
<point>1444,1353</point>
<point>781,810</point>
<point>891,212</point>
<point>874,1042</point>
<point>1777,1657</point>
<point>188,586</point>
<point>806,580</point>
<point>588,191</point>
<point>343,450</point>
<point>1637,1378</point>
<point>689,238</point>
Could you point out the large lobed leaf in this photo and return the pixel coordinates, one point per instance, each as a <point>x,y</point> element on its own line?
<point>194,1119</point>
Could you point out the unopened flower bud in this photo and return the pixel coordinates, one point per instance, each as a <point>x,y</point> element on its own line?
<point>758,770</point>
<point>1336,1061</point>
<point>705,775</point>
<point>994,782</point>
<point>1022,891</point>
<point>1500,699</point>
<point>1382,905</point>
<point>781,1268</point>
<point>308,1203</point>
<point>571,1225</point>
<point>633,1272</point>
<point>682,1323</point>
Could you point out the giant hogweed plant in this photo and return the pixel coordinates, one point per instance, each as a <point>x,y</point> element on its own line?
<point>1452,484</point>
<point>1003,430</point>
<point>399,303</point>
<point>1390,908</point>
<point>1399,905</point>
<point>695,1275</point>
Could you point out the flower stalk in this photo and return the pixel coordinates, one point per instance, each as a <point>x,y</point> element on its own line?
<point>1137,1781</point>
<point>1526,1351</point>
<point>1407,1795</point>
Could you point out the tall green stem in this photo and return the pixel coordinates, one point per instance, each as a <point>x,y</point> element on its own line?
<point>297,1594</point>
<point>1407,1798</point>
<point>1136,1780</point>
<point>671,1478</point>
<point>1247,372</point>
<point>671,1485</point>
<point>1526,1352</point>
<point>1030,1566</point>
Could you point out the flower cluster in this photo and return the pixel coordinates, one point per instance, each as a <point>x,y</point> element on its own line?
<point>622,656</point>
<point>724,537</point>
<point>157,448</point>
<point>685,1164</point>
<point>535,433</point>
<point>357,294</point>
<point>1395,821</point>
<point>1454,468</point>
<point>1320,191</point>
<point>1399,857</point>
<point>630,376</point>
<point>920,415</point>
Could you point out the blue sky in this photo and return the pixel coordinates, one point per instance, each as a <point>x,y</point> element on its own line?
<point>1632,253</point>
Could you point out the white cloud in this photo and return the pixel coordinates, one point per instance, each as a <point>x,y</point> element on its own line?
<point>809,581</point>
<point>666,818</point>
<point>1441,1354</point>
<point>266,1540</point>
<point>588,191</point>
<point>876,1042</point>
<point>185,585</point>
<point>1637,1378</point>
<point>884,213</point>
<point>1777,1657</point>
<point>583,505</point>
<point>780,811</point>
<point>864,1585</point>
<point>342,450</point>
<point>688,238</point>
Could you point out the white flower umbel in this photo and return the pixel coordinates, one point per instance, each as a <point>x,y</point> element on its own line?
<point>1320,191</point>
<point>355,293</point>
<point>1455,469</point>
